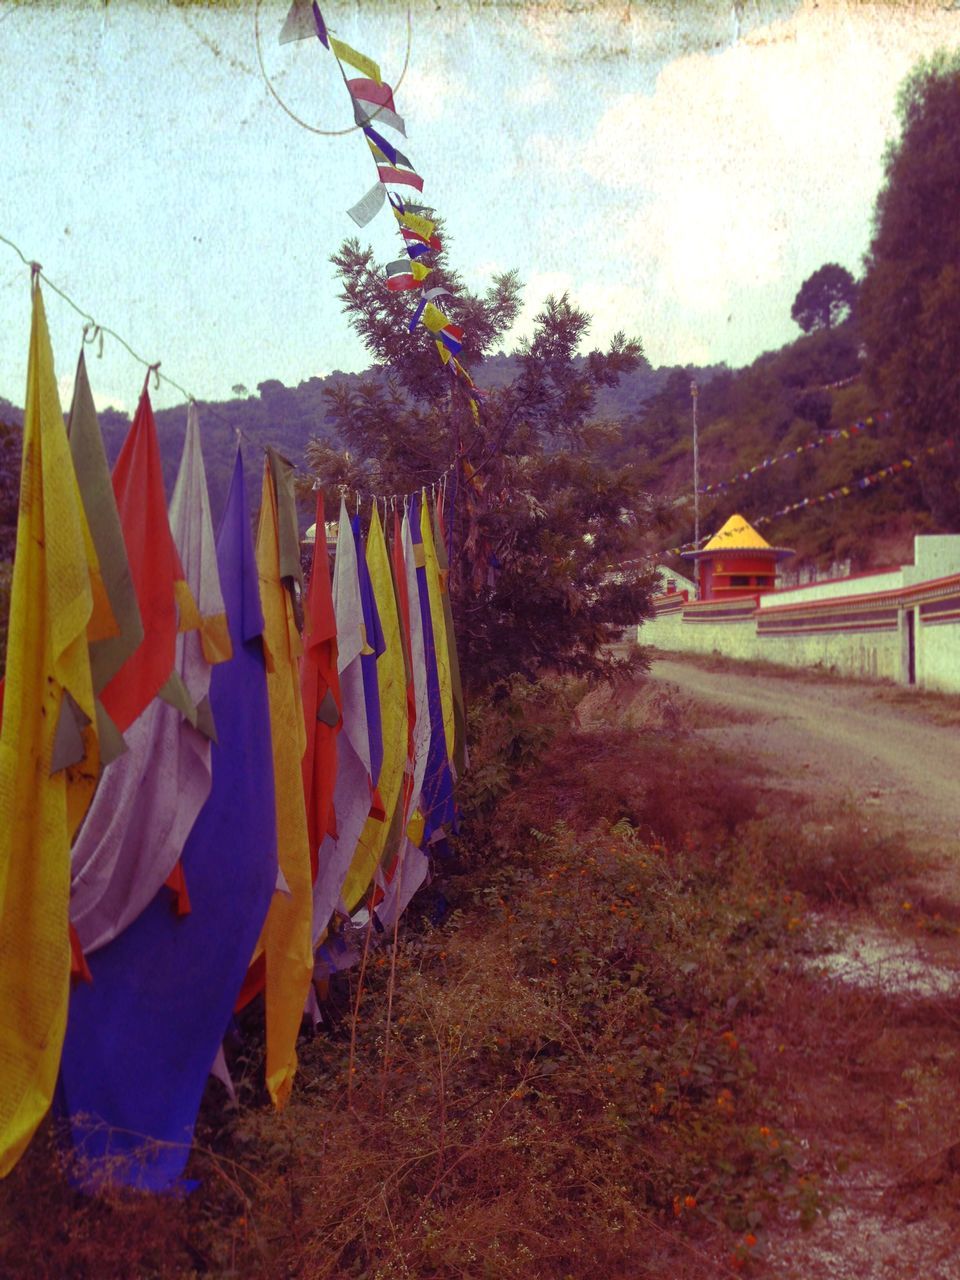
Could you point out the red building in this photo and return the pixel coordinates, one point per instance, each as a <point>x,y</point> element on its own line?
<point>736,563</point>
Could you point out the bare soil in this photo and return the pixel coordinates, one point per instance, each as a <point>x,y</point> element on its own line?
<point>841,741</point>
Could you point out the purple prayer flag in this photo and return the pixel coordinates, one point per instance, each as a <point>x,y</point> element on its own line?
<point>142,1036</point>
<point>368,661</point>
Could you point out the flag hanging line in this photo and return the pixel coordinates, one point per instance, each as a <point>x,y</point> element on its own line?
<point>92,330</point>
<point>305,124</point>
<point>841,491</point>
<point>829,437</point>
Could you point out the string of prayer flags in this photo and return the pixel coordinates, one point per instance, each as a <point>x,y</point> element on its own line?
<point>143,1034</point>
<point>374,109</point>
<point>304,20</point>
<point>47,677</point>
<point>829,437</point>
<point>148,799</point>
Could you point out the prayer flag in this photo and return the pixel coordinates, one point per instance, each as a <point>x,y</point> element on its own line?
<point>156,570</point>
<point>437,793</point>
<point>149,799</point>
<point>120,632</point>
<point>450,335</point>
<point>436,589</point>
<point>391,680</point>
<point>398,176</point>
<point>47,680</point>
<point>366,210</point>
<point>383,147</point>
<point>400,276</point>
<point>418,657</point>
<point>344,53</point>
<point>434,319</point>
<point>373,647</point>
<point>304,19</point>
<point>375,91</point>
<point>415,222</point>
<point>367,112</point>
<point>353,789</point>
<point>320,690</point>
<point>142,1036</point>
<point>459,748</point>
<point>286,940</point>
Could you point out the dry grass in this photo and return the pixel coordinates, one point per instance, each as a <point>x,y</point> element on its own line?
<point>607,1057</point>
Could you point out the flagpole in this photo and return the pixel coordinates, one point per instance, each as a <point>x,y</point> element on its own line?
<point>694,393</point>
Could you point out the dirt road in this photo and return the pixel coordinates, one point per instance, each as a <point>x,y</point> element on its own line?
<point>837,739</point>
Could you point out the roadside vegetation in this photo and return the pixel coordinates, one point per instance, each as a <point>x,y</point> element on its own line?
<point>608,1044</point>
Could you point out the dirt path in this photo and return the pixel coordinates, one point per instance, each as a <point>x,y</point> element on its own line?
<point>842,740</point>
<point>861,744</point>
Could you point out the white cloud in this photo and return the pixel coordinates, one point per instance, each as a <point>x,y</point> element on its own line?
<point>747,169</point>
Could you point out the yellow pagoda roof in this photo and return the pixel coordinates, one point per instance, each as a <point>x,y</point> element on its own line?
<point>737,535</point>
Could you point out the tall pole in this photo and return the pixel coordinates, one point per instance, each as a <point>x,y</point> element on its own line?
<point>694,392</point>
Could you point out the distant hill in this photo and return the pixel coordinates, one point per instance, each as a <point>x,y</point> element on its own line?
<point>289,417</point>
<point>783,399</point>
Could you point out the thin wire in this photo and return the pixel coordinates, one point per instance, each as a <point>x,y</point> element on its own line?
<point>326,133</point>
<point>92,330</point>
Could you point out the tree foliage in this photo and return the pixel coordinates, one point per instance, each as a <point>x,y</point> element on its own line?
<point>910,298</point>
<point>540,523</point>
<point>825,298</point>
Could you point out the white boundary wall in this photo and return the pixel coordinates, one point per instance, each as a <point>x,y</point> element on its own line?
<point>901,625</point>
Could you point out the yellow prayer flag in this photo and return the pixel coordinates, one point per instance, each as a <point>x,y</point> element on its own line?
<point>366,66</point>
<point>441,644</point>
<point>48,702</point>
<point>419,270</point>
<point>433,318</point>
<point>418,223</point>
<point>286,938</point>
<point>443,352</point>
<point>392,682</point>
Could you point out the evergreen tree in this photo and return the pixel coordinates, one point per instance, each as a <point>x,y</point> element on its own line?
<point>541,525</point>
<point>910,298</point>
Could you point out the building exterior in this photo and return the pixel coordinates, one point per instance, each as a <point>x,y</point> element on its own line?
<point>900,624</point>
<point>736,563</point>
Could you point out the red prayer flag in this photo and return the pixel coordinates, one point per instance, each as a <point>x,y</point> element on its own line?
<point>320,689</point>
<point>154,566</point>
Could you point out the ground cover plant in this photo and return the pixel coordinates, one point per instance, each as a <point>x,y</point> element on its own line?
<point>606,1049</point>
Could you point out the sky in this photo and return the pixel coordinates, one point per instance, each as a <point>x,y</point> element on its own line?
<point>679,168</point>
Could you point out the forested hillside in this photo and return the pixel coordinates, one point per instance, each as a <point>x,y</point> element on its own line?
<point>783,400</point>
